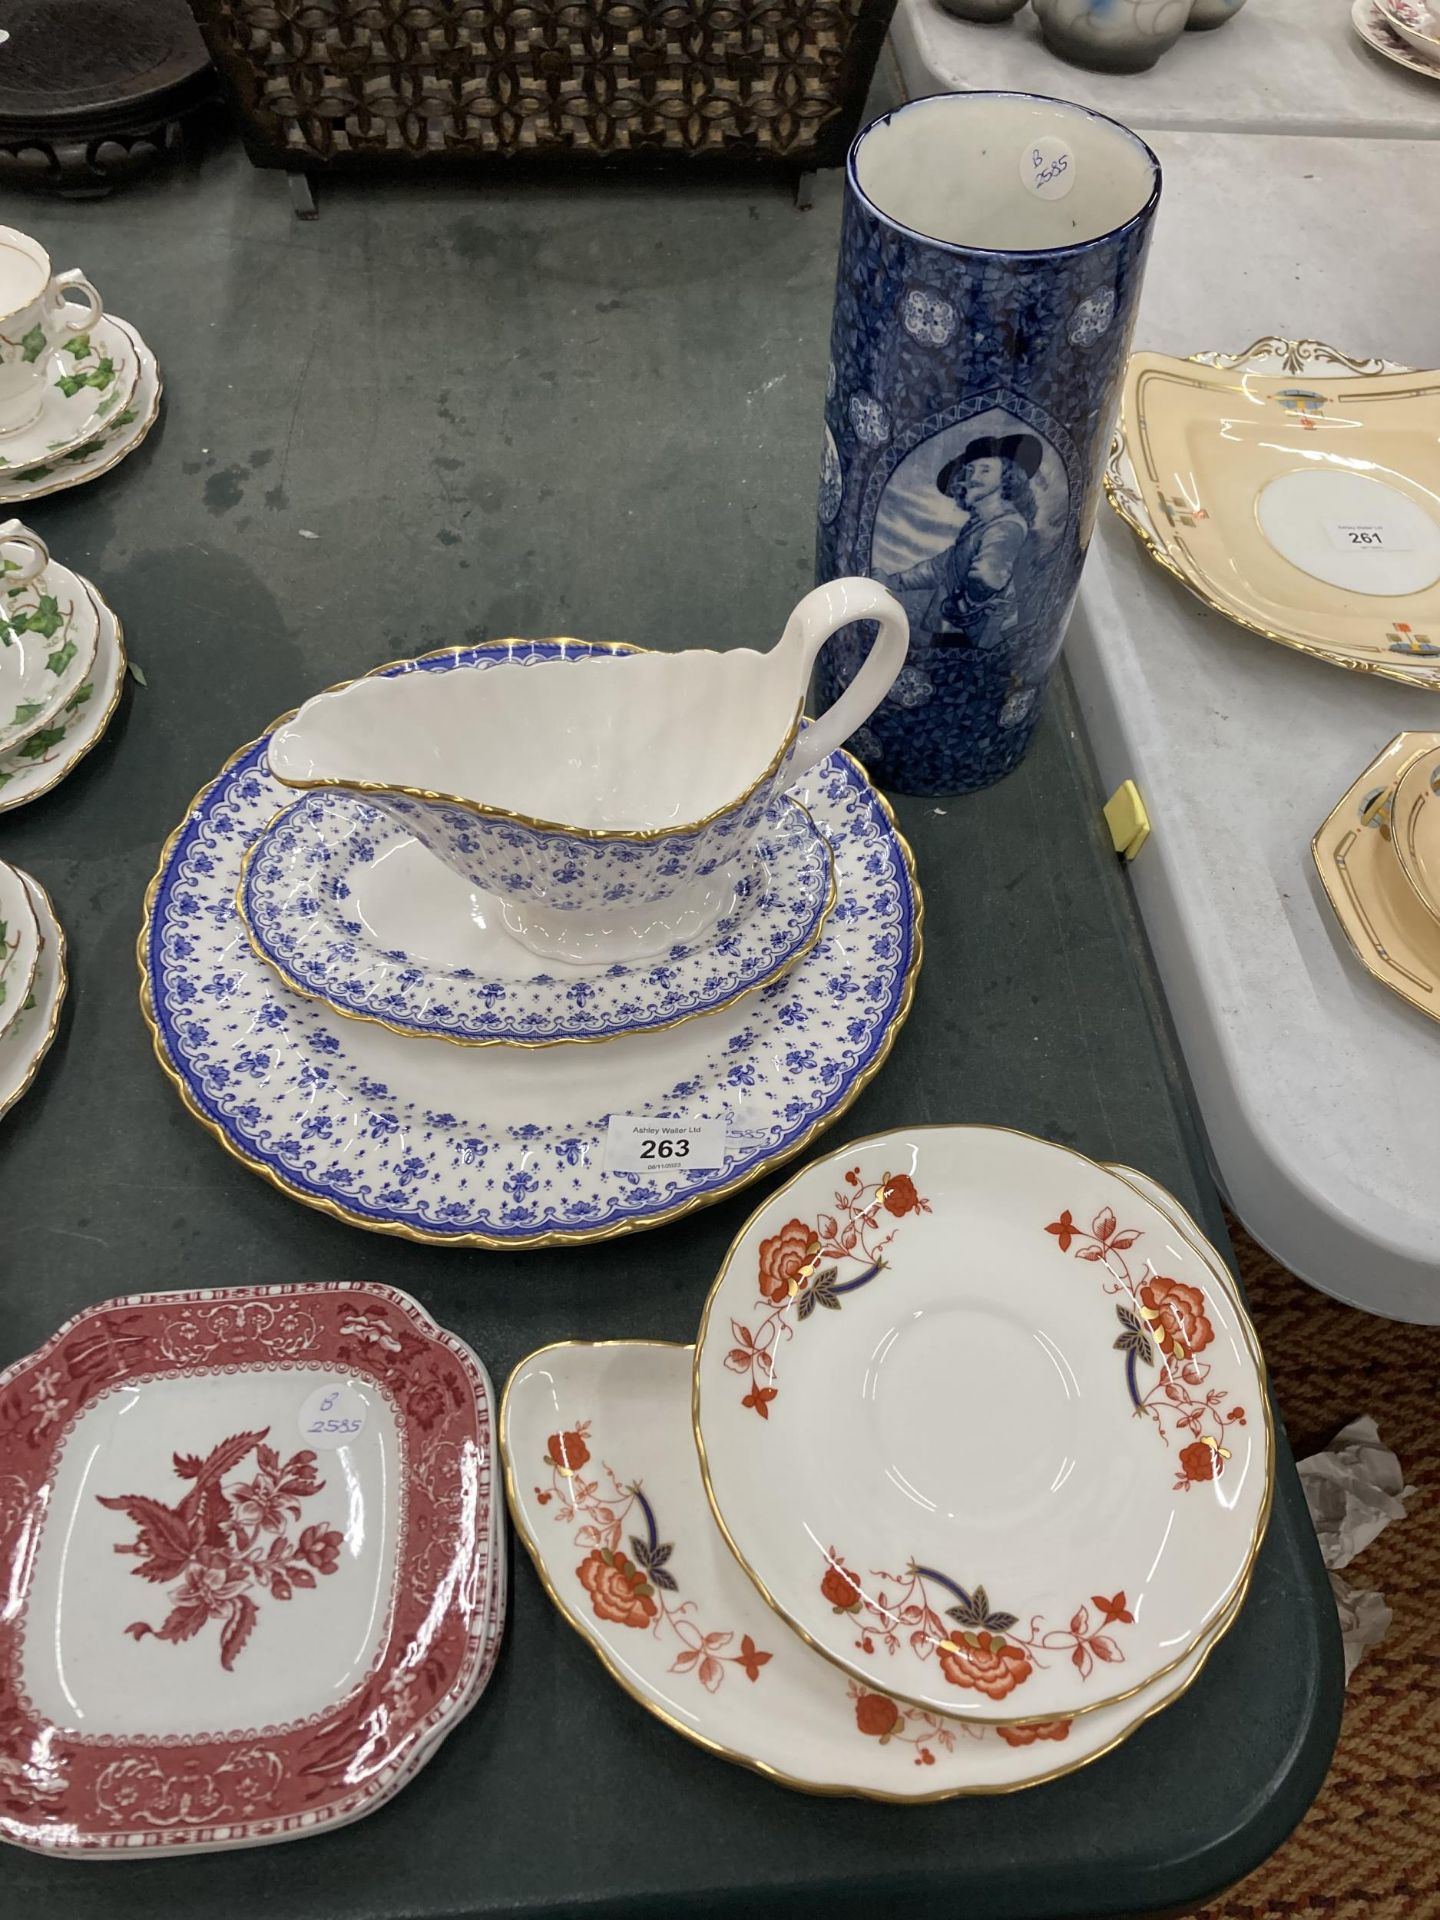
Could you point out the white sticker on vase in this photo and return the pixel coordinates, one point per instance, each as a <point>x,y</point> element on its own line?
<point>1351,531</point>
<point>1047,167</point>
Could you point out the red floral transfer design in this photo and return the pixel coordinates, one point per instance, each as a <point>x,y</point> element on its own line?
<point>215,1544</point>
<point>635,1589</point>
<point>64,1793</point>
<point>1163,1323</point>
<point>804,1266</point>
<point>977,1647</point>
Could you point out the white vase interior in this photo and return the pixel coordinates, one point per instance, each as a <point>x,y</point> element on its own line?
<point>955,168</point>
<point>628,742</point>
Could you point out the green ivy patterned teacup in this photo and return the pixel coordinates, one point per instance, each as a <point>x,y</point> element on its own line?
<point>36,316</point>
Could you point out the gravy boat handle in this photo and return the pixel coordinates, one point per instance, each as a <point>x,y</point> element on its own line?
<point>819,615</point>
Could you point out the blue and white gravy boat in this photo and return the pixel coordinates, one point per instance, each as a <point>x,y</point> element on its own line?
<point>612,808</point>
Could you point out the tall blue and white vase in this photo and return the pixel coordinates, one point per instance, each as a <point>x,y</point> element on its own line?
<point>991,256</point>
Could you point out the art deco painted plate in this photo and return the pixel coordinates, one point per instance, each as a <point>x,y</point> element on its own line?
<point>44,757</point>
<point>1416,836</point>
<point>49,630</point>
<point>19,946</point>
<point>605,1491</point>
<point>1296,491</point>
<point>122,432</point>
<point>1375,30</point>
<point>352,911</point>
<point>980,1425</point>
<point>30,1036</point>
<point>1389,927</point>
<point>506,1147</point>
<point>248,1539</point>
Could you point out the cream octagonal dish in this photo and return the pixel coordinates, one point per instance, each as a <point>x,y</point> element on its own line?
<point>606,806</point>
<point>1416,825</point>
<point>981,1424</point>
<point>248,1542</point>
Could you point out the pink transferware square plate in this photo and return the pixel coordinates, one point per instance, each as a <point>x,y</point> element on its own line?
<point>250,1557</point>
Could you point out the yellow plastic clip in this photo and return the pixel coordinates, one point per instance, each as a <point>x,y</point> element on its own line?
<point>1127,820</point>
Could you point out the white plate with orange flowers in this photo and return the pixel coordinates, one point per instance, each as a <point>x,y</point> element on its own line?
<point>605,1492</point>
<point>254,1566</point>
<point>982,1425</point>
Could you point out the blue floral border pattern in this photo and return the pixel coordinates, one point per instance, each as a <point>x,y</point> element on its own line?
<point>294,894</point>
<point>274,1075</point>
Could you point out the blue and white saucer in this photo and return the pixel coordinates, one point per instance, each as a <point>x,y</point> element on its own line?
<point>507,1147</point>
<point>351,910</point>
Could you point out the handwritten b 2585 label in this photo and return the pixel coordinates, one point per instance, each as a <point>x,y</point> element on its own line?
<point>333,1415</point>
<point>1047,167</point>
<point>635,1143</point>
<point>1368,536</point>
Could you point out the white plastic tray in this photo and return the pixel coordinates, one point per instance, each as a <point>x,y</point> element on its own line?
<point>1280,66</point>
<point>1319,1090</point>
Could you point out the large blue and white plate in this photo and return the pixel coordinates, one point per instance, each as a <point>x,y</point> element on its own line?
<point>350,909</point>
<point>507,1147</point>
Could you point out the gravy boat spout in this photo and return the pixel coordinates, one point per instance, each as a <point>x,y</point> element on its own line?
<point>609,804</point>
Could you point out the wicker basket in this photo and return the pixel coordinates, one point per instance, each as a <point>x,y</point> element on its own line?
<point>327,83</point>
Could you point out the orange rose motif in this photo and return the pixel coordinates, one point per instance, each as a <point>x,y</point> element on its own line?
<point>876,1715</point>
<point>841,1588</point>
<point>1199,1461</point>
<point>566,1452</point>
<point>985,1661</point>
<point>617,1588</point>
<point>1027,1736</point>
<point>1180,1324</point>
<point>899,1196</point>
<point>784,1260</point>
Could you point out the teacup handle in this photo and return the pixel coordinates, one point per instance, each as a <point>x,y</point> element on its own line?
<point>838,604</point>
<point>15,534</point>
<point>76,319</point>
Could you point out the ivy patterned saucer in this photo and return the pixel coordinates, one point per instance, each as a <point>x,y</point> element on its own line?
<point>1375,30</point>
<point>1025,1469</point>
<point>92,380</point>
<point>1295,490</point>
<point>350,910</point>
<point>1388,925</point>
<point>29,1037</point>
<point>49,632</point>
<point>44,757</point>
<point>508,1147</point>
<point>605,1491</point>
<point>19,946</point>
<point>249,1541</point>
<point>120,433</point>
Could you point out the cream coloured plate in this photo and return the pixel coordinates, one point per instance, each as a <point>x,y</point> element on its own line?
<point>605,1491</point>
<point>1394,937</point>
<point>980,1426</point>
<point>92,380</point>
<point>1416,828</point>
<point>1292,496</point>
<point>42,760</point>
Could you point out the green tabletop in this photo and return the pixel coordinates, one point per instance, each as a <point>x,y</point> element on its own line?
<point>444,413</point>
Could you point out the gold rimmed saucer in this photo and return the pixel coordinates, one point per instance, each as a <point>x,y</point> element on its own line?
<point>1394,937</point>
<point>1415,825</point>
<point>1294,489</point>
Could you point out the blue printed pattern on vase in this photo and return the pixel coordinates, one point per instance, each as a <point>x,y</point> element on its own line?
<point>970,400</point>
